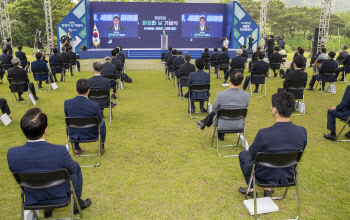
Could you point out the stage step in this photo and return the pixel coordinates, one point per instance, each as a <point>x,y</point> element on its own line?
<point>154,54</point>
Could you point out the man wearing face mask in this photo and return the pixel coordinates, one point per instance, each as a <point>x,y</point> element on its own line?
<point>282,137</point>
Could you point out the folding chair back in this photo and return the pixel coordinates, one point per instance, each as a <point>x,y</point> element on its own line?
<point>82,122</point>
<point>238,68</point>
<point>40,74</point>
<point>162,58</point>
<point>18,84</point>
<point>177,68</point>
<point>232,114</point>
<point>73,61</point>
<point>6,65</point>
<point>55,66</point>
<point>184,79</point>
<point>213,62</point>
<point>275,66</point>
<point>278,161</point>
<point>256,75</point>
<point>111,76</point>
<point>206,60</point>
<point>199,88</point>
<point>224,65</point>
<point>328,75</point>
<point>296,88</point>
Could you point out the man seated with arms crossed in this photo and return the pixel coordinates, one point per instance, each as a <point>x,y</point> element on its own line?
<point>237,61</point>
<point>261,65</point>
<point>80,106</point>
<point>110,69</point>
<point>276,57</point>
<point>170,61</point>
<point>56,59</point>
<point>66,59</point>
<point>178,61</point>
<point>282,137</point>
<point>222,57</point>
<point>330,64</point>
<point>117,62</point>
<point>298,75</point>
<point>17,72</point>
<point>23,58</point>
<point>37,156</point>
<point>232,98</point>
<point>73,56</point>
<point>341,111</point>
<point>99,83</point>
<point>187,67</point>
<point>40,64</point>
<point>198,78</point>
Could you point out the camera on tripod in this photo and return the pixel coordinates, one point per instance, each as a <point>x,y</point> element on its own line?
<point>64,38</point>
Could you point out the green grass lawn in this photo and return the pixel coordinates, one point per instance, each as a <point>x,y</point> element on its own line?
<point>159,165</point>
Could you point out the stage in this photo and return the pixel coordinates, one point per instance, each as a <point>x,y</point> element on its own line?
<point>144,53</point>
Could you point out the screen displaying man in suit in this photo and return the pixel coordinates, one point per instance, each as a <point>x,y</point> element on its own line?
<point>330,64</point>
<point>298,75</point>
<point>232,98</point>
<point>236,62</point>
<point>199,77</point>
<point>187,67</point>
<point>341,111</point>
<point>23,58</point>
<point>37,155</point>
<point>260,66</point>
<point>116,26</point>
<point>80,106</point>
<point>282,137</point>
<point>108,68</point>
<point>17,72</point>
<point>202,26</point>
<point>56,59</point>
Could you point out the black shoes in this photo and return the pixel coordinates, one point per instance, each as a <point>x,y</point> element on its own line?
<point>113,96</point>
<point>48,213</point>
<point>113,104</point>
<point>269,193</point>
<point>244,192</point>
<point>36,98</point>
<point>221,136</point>
<point>83,205</point>
<point>203,110</point>
<point>256,91</point>
<point>20,99</point>
<point>224,82</point>
<point>330,136</point>
<point>200,125</point>
<point>310,89</point>
<point>192,111</point>
<point>347,134</point>
<point>275,75</point>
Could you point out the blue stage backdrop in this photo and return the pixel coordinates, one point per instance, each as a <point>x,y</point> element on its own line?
<point>139,24</point>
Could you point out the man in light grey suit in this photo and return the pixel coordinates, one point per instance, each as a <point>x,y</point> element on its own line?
<point>232,98</point>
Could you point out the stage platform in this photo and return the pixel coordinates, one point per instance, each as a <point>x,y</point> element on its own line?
<point>150,53</point>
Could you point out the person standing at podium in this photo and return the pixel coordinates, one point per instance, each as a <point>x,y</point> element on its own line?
<point>163,32</point>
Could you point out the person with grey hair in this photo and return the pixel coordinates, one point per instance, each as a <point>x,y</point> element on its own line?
<point>110,69</point>
<point>18,72</point>
<point>99,83</point>
<point>342,54</point>
<point>237,61</point>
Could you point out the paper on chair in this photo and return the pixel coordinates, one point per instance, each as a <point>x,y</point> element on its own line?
<point>5,119</point>
<point>32,99</point>
<point>209,108</point>
<point>243,142</point>
<point>54,86</point>
<point>225,84</point>
<point>331,89</point>
<point>67,146</point>
<point>299,107</point>
<point>264,205</point>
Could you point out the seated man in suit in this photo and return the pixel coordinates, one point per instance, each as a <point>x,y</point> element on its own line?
<point>244,51</point>
<point>301,54</point>
<point>117,62</point>
<point>6,56</point>
<point>66,60</point>
<point>322,57</point>
<point>17,72</point>
<point>283,50</point>
<point>206,57</point>
<point>342,54</point>
<point>41,50</point>
<point>232,98</point>
<point>237,61</point>
<point>298,75</point>
<point>121,55</point>
<point>313,59</point>
<point>282,137</point>
<point>40,64</point>
<point>254,57</point>
<point>167,55</point>
<point>259,66</point>
<point>178,61</point>
<point>170,61</point>
<point>37,155</point>
<point>346,61</point>
<point>221,58</point>
<point>73,56</point>
<point>109,69</point>
<point>80,106</point>
<point>99,83</point>
<point>187,67</point>
<point>196,78</point>
<point>297,53</point>
<point>5,109</point>
<point>330,64</point>
<point>22,56</point>
<point>341,111</point>
<point>276,57</point>
<point>56,59</point>
<point>214,57</point>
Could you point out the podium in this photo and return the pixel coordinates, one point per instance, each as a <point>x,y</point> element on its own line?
<point>163,41</point>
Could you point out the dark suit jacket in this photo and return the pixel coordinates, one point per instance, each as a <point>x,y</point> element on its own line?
<point>276,58</point>
<point>255,56</point>
<point>282,137</point>
<point>237,61</point>
<point>22,56</point>
<point>270,44</point>
<point>205,54</point>
<point>245,53</point>
<point>206,28</point>
<point>259,66</point>
<point>346,60</point>
<point>6,57</point>
<point>223,56</point>
<point>80,106</point>
<point>187,67</point>
<point>342,55</point>
<point>295,76</point>
<point>120,28</point>
<point>72,56</point>
<point>171,61</point>
<point>251,40</point>
<point>99,83</point>
<point>345,103</point>
<point>214,57</point>
<point>167,55</point>
<point>65,57</point>
<point>42,157</point>
<point>17,72</point>
<point>199,77</point>
<point>178,61</point>
<point>118,65</point>
<point>56,59</point>
<point>109,69</point>
<point>39,64</point>
<point>330,64</point>
<point>9,47</point>
<point>121,55</point>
